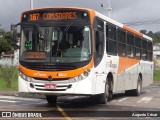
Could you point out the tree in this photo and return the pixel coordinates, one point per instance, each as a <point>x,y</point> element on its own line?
<point>2,32</point>
<point>143,31</point>
<point>4,46</point>
<point>155,36</point>
<point>150,33</point>
<point>5,41</point>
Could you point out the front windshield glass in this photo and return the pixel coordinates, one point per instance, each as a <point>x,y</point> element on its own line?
<point>67,43</point>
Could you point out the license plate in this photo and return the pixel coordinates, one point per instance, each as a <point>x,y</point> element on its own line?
<point>50,86</point>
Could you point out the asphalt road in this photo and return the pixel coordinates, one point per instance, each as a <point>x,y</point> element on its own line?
<point>146,106</point>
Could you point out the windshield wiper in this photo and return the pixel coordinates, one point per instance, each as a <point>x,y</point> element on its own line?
<point>68,26</point>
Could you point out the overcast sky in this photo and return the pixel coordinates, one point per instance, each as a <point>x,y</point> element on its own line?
<point>123,11</point>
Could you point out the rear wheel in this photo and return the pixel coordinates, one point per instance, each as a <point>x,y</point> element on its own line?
<point>137,91</point>
<point>51,99</point>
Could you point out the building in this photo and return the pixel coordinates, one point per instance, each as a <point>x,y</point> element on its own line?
<point>156,55</point>
<point>10,58</point>
<point>156,51</point>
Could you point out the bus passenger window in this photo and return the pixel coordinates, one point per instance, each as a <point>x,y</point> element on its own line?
<point>111,43</point>
<point>137,53</point>
<point>150,54</point>
<point>130,45</point>
<point>121,42</point>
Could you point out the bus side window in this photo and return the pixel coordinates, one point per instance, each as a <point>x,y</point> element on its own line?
<point>111,43</point>
<point>138,47</point>
<point>97,41</point>
<point>150,48</point>
<point>130,45</point>
<point>121,37</point>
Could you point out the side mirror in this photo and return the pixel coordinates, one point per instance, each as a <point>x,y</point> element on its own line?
<point>15,34</point>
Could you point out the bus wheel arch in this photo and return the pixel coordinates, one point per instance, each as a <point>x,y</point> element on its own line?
<point>140,75</point>
<point>108,90</point>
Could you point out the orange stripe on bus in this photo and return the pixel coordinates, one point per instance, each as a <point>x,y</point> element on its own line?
<point>55,74</point>
<point>132,31</point>
<point>125,63</point>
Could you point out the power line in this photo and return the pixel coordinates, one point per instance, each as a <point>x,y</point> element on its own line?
<point>143,22</point>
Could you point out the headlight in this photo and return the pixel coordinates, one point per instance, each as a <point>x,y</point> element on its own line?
<point>25,77</point>
<point>83,76</point>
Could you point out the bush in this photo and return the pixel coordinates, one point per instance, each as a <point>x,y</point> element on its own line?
<point>8,74</point>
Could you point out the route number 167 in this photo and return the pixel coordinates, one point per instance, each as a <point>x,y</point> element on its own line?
<point>34,16</point>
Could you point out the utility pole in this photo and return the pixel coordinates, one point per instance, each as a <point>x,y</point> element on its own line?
<point>109,9</point>
<point>31,4</point>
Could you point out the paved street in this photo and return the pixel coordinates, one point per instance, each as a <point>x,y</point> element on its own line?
<point>81,107</point>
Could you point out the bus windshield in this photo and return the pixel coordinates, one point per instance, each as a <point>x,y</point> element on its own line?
<point>56,43</point>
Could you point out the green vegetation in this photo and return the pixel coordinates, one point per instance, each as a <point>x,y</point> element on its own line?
<point>156,76</point>
<point>6,43</point>
<point>8,78</point>
<point>154,35</point>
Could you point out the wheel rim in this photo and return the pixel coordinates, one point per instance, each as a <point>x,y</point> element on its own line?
<point>139,87</point>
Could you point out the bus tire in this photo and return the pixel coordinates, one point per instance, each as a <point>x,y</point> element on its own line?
<point>103,98</point>
<point>137,91</point>
<point>110,85</point>
<point>51,99</point>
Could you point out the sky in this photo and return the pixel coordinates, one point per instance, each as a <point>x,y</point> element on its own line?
<point>124,11</point>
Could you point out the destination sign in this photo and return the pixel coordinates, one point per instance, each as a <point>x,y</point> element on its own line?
<point>54,15</point>
<point>35,55</point>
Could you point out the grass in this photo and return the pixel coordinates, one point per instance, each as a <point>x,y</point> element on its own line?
<point>9,78</point>
<point>14,85</point>
<point>156,76</point>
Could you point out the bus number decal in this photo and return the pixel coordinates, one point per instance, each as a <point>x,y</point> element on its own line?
<point>34,17</point>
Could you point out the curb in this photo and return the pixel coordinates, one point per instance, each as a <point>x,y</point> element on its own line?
<point>17,94</point>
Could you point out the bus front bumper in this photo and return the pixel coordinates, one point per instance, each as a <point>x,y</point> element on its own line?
<point>83,87</point>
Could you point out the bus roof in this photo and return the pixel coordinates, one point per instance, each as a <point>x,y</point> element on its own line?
<point>93,12</point>
<point>122,26</point>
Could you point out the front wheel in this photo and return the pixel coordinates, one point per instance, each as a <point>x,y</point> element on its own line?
<point>103,98</point>
<point>51,99</point>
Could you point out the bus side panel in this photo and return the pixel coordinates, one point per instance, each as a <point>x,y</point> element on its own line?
<point>126,73</point>
<point>127,79</point>
<point>108,64</point>
<point>100,76</point>
<point>147,73</point>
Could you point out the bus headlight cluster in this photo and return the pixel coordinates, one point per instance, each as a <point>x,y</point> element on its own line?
<point>25,77</point>
<point>83,76</point>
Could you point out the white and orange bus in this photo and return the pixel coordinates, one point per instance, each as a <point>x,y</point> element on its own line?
<point>78,51</point>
